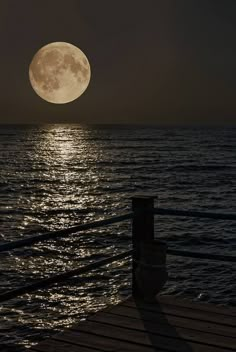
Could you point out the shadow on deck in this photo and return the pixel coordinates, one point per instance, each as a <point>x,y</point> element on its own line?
<point>170,324</point>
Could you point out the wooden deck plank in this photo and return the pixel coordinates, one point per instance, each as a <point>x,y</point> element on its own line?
<point>101,342</point>
<point>149,316</point>
<point>145,338</point>
<point>59,346</point>
<point>165,330</point>
<point>135,326</point>
<point>191,313</point>
<point>208,307</point>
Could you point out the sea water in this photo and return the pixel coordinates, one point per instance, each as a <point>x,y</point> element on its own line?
<point>56,176</point>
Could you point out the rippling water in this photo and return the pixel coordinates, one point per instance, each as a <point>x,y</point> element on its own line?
<point>55,176</point>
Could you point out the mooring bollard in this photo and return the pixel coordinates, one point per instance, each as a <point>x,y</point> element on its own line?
<point>149,255</point>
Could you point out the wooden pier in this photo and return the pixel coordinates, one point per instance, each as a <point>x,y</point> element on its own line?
<point>146,322</point>
<point>170,324</point>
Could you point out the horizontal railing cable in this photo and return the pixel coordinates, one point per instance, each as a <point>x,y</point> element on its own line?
<point>61,233</point>
<point>68,274</point>
<point>216,257</point>
<point>61,277</point>
<point>115,219</point>
<point>194,214</point>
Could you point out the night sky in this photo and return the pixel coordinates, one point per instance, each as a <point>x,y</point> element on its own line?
<point>166,62</point>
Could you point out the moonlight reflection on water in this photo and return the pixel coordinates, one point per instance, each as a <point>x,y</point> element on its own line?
<point>57,176</point>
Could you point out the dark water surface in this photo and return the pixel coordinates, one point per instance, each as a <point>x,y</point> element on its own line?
<point>55,176</point>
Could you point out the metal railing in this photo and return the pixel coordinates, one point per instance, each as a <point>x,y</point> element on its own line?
<point>142,217</point>
<point>194,214</point>
<point>61,277</point>
<point>62,233</point>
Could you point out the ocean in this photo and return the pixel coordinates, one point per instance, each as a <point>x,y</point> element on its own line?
<point>56,176</point>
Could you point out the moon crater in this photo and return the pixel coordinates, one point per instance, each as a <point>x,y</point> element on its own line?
<point>59,72</point>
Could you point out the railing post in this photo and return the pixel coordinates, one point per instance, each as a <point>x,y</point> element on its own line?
<point>142,231</point>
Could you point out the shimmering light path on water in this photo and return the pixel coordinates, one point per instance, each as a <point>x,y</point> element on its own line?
<point>55,176</point>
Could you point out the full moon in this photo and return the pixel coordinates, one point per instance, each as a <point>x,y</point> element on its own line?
<point>59,72</point>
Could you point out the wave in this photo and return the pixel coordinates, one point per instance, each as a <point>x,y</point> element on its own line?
<point>199,168</point>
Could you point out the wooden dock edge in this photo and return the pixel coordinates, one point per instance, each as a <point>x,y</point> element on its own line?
<point>170,324</point>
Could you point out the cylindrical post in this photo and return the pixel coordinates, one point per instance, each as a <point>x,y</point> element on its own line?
<point>142,231</point>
